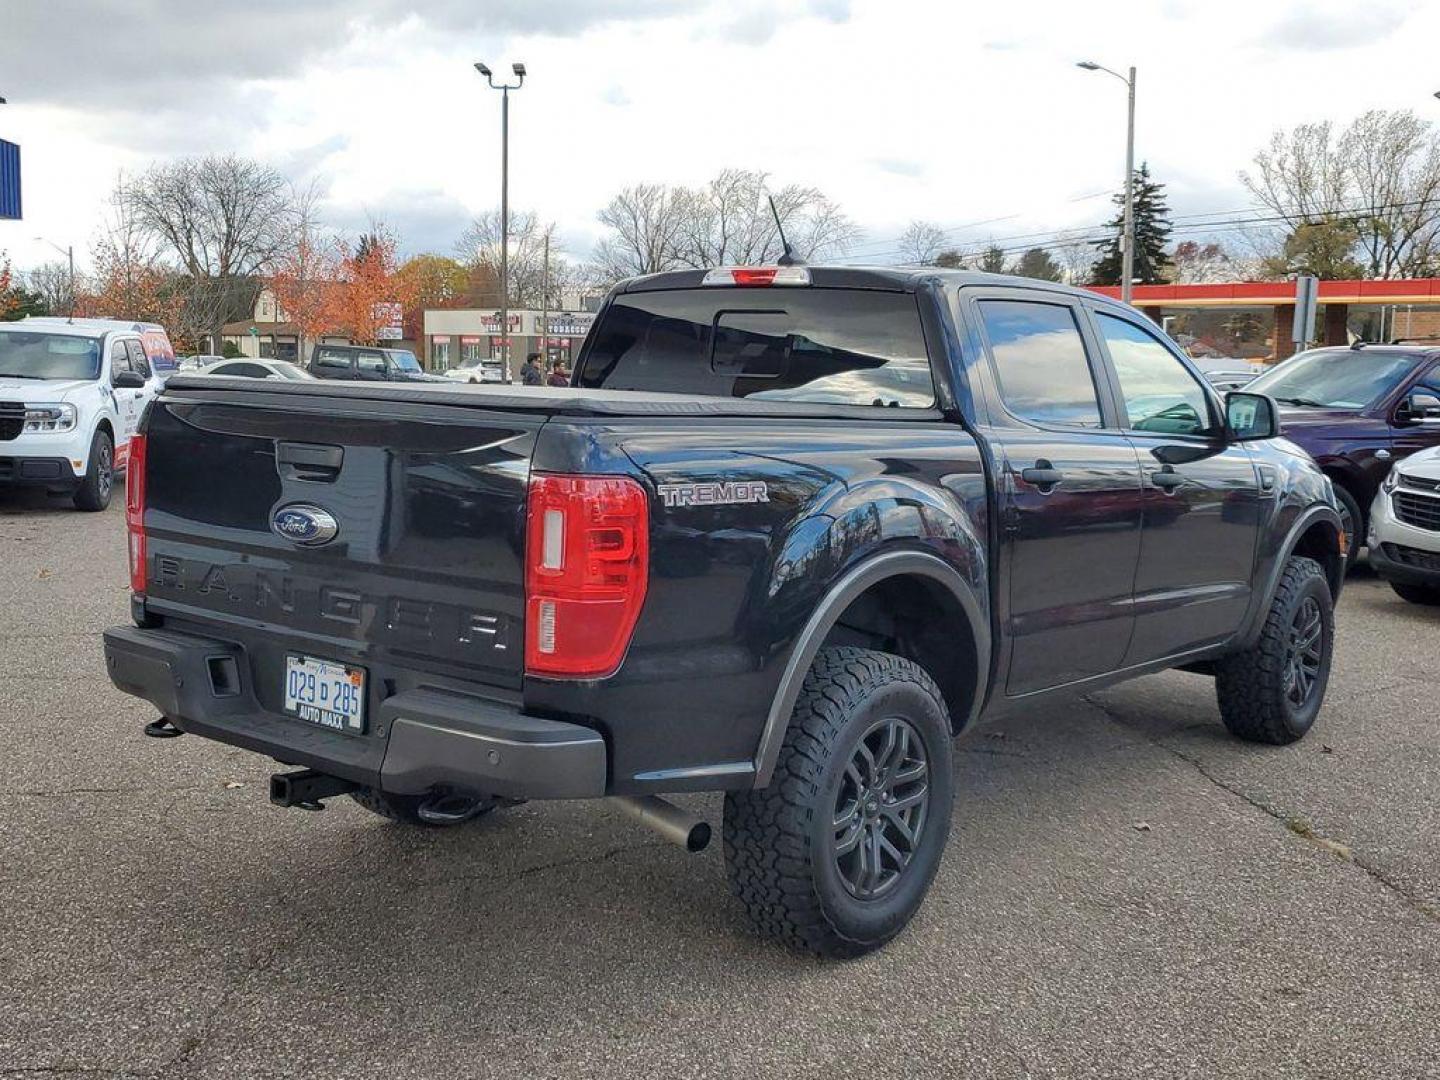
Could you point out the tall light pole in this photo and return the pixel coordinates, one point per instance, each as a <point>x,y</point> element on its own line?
<point>69,253</point>
<point>504,88</point>
<point>1127,241</point>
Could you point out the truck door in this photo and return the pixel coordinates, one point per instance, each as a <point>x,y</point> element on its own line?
<point>154,381</point>
<point>127,401</point>
<point>1200,497</point>
<point>1068,488</point>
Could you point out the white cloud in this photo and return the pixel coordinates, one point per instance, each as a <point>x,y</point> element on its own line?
<point>925,109</point>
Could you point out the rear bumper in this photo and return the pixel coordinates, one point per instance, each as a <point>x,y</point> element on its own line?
<point>37,472</point>
<point>418,740</point>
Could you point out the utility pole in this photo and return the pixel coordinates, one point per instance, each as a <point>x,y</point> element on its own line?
<point>545,306</point>
<point>504,88</point>
<point>1127,238</point>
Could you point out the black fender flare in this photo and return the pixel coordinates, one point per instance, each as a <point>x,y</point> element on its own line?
<point>1261,606</point>
<point>852,583</point>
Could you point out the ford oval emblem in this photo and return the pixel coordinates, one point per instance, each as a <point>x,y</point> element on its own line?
<point>308,526</point>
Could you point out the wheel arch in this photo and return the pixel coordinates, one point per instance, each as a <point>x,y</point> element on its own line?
<point>1315,534</point>
<point>878,597</point>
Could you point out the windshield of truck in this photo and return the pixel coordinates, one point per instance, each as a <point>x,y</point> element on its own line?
<point>831,346</point>
<point>1336,378</point>
<point>405,360</point>
<point>28,354</point>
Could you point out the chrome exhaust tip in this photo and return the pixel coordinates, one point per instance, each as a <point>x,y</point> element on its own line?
<point>674,824</point>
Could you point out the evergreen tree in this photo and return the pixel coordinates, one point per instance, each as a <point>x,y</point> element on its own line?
<point>1037,263</point>
<point>992,260</point>
<point>1152,233</point>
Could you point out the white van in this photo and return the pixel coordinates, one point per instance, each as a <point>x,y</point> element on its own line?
<point>72,392</point>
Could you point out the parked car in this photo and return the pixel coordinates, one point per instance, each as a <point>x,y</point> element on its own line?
<point>259,369</point>
<point>72,392</point>
<point>1356,411</point>
<point>1404,537</point>
<point>484,370</point>
<point>790,531</point>
<point>364,363</point>
<point>1228,380</point>
<point>195,363</point>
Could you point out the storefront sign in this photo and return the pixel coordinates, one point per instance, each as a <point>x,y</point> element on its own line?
<point>573,324</point>
<point>492,323</point>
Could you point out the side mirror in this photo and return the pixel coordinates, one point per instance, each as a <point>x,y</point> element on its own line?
<point>129,380</point>
<point>1250,416</point>
<point>1417,408</point>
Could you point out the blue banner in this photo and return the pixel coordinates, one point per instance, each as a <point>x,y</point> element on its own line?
<point>9,181</point>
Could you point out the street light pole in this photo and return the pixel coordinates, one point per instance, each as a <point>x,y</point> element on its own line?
<point>69,253</point>
<point>504,88</point>
<point>1127,239</point>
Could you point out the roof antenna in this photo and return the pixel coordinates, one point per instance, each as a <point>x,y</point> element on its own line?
<point>788,256</point>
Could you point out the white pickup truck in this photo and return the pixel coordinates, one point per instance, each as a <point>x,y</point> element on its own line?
<point>71,394</point>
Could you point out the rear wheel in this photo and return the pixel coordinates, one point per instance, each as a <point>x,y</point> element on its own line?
<point>95,490</point>
<point>428,811</point>
<point>1272,691</point>
<point>1429,595</point>
<point>836,855</point>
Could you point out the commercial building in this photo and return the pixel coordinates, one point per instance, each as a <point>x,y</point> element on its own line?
<point>453,337</point>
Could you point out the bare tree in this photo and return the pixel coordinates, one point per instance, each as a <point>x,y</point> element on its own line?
<point>1379,178</point>
<point>922,243</point>
<point>645,224</point>
<point>224,218</point>
<point>727,222</point>
<point>479,248</point>
<point>1195,263</point>
<point>51,283</point>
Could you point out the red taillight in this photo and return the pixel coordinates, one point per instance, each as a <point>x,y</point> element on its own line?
<point>135,510</point>
<point>586,567</point>
<point>757,275</point>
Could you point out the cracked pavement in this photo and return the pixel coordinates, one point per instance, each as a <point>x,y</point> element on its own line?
<point>1127,892</point>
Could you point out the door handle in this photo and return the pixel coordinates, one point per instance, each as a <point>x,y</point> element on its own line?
<point>1042,475</point>
<point>1167,479</point>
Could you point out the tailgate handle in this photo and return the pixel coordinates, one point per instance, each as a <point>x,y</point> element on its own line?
<point>308,461</point>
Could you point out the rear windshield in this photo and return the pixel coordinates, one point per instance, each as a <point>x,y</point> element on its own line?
<point>832,346</point>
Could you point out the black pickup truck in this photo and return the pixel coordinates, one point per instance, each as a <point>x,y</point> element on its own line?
<point>792,530</point>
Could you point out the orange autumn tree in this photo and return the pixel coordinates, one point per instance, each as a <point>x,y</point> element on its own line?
<point>9,302</point>
<point>303,281</point>
<point>368,284</point>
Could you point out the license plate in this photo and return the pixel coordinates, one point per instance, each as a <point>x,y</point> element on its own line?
<point>325,693</point>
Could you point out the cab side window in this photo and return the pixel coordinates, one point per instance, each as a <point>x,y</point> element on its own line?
<point>1040,362</point>
<point>1160,395</point>
<point>137,359</point>
<point>119,359</point>
<point>332,359</point>
<point>371,362</point>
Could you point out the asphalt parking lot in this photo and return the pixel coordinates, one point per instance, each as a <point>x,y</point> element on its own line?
<point>1128,892</point>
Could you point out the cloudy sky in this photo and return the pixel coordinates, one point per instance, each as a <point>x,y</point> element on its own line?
<point>970,115</point>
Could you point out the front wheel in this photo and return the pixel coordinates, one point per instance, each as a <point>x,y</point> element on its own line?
<point>95,490</point>
<point>836,855</point>
<point>1272,691</point>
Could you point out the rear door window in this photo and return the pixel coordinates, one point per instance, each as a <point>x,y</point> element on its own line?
<point>371,363</point>
<point>1040,362</point>
<point>332,359</point>
<point>829,346</point>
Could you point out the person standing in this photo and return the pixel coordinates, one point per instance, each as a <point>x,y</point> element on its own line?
<point>558,375</point>
<point>530,373</point>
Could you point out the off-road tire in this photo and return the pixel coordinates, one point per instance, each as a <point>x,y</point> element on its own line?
<point>1429,595</point>
<point>95,490</point>
<point>405,809</point>
<point>779,840</point>
<point>1253,685</point>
